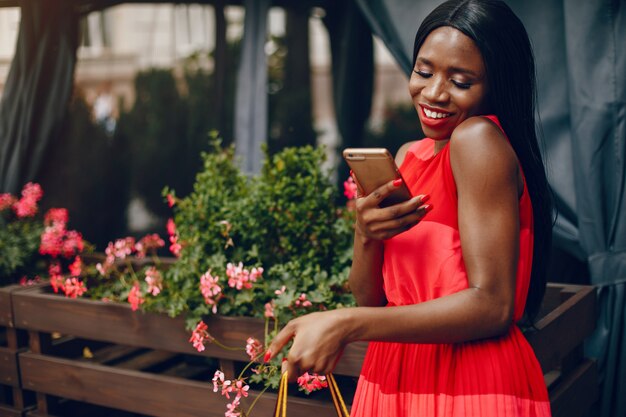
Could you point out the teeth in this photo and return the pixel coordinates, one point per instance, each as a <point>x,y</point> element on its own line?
<point>435,115</point>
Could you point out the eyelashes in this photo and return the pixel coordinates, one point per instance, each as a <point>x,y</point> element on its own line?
<point>461,85</point>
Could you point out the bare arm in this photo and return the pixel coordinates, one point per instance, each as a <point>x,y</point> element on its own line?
<point>373,225</point>
<point>486,173</point>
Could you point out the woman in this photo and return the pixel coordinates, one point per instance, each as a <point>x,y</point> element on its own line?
<point>441,286</point>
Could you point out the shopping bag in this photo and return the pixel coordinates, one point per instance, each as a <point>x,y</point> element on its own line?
<point>281,403</point>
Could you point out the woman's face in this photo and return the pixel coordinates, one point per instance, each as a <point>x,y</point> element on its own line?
<point>448,83</point>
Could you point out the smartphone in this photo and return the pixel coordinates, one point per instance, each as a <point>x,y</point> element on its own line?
<point>373,167</point>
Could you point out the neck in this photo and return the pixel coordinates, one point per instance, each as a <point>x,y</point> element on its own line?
<point>440,144</point>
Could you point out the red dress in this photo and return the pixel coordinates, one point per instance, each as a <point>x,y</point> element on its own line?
<point>491,377</point>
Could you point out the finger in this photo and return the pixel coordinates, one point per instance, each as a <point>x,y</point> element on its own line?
<point>392,227</point>
<point>278,343</point>
<point>359,189</point>
<point>404,208</point>
<point>379,194</point>
<point>293,372</point>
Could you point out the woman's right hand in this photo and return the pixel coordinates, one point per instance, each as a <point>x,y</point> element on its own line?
<point>376,223</point>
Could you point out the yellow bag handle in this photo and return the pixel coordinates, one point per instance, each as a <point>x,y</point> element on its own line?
<point>281,404</point>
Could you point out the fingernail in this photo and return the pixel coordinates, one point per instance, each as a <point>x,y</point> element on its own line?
<point>351,172</point>
<point>425,198</point>
<point>284,360</point>
<point>397,182</point>
<point>428,208</point>
<point>267,356</point>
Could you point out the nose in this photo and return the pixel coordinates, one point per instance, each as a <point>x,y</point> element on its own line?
<point>435,90</point>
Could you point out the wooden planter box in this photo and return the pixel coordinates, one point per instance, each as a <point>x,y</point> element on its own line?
<point>143,363</point>
<point>14,401</point>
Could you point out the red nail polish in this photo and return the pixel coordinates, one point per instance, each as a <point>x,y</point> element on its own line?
<point>397,182</point>
<point>425,198</point>
<point>284,359</point>
<point>267,356</point>
<point>428,208</point>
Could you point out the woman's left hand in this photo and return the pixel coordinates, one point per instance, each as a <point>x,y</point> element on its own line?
<point>318,341</point>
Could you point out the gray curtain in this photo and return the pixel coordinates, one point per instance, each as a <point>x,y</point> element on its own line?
<point>251,96</point>
<point>37,89</point>
<point>580,49</point>
<point>351,47</point>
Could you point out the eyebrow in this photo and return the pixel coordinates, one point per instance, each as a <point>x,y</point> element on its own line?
<point>453,69</point>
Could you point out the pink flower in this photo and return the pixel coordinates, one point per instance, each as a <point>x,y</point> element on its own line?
<point>210,289</point>
<point>56,215</point>
<point>238,387</point>
<point>254,348</point>
<point>171,200</point>
<point>123,247</point>
<point>269,310</point>
<point>56,279</point>
<point>154,279</point>
<point>6,201</point>
<point>27,205</point>
<point>281,291</point>
<point>74,288</point>
<point>239,277</point>
<point>171,227</point>
<point>231,408</point>
<point>312,382</point>
<point>72,244</point>
<point>350,188</point>
<point>134,297</point>
<point>200,335</point>
<point>76,267</point>
<point>302,301</point>
<point>52,240</point>
<point>26,282</point>
<point>175,247</point>
<point>148,243</point>
<point>25,208</point>
<point>218,380</point>
<point>57,282</point>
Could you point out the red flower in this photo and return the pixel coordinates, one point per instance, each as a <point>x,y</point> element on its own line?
<point>254,348</point>
<point>74,288</point>
<point>148,243</point>
<point>200,335</point>
<point>350,188</point>
<point>6,201</point>
<point>171,200</point>
<point>154,281</point>
<point>312,382</point>
<point>210,289</point>
<point>76,267</point>
<point>134,297</point>
<point>56,215</point>
<point>27,205</point>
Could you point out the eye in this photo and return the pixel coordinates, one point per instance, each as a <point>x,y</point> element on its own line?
<point>463,86</point>
<point>423,74</point>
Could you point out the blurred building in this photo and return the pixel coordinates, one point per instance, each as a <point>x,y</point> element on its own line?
<point>119,41</point>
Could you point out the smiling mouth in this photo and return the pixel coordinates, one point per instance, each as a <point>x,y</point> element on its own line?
<point>435,115</point>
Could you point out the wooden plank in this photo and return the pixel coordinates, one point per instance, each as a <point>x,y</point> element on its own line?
<point>117,323</point>
<point>6,311</point>
<point>140,392</point>
<point>9,372</point>
<point>576,392</point>
<point>564,328</point>
<point>34,309</point>
<point>146,360</point>
<point>6,411</point>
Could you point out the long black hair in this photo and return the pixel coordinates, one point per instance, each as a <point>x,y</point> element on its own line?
<point>507,53</point>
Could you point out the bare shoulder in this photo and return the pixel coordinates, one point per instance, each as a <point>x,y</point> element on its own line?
<point>402,152</point>
<point>479,149</point>
<point>478,141</point>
